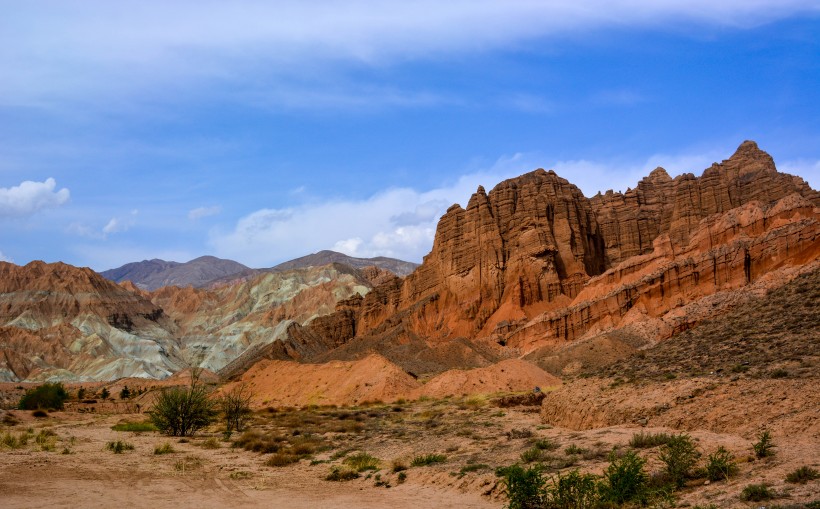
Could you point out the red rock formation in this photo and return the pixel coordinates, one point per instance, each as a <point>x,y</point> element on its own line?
<point>535,261</point>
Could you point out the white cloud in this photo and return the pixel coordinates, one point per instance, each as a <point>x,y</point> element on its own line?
<point>117,224</point>
<point>4,258</point>
<point>200,212</point>
<point>807,169</point>
<point>30,197</point>
<point>55,49</point>
<point>401,222</point>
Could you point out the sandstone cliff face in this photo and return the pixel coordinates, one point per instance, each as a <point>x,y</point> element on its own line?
<point>534,263</point>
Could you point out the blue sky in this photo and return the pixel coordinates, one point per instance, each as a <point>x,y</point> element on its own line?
<point>263,131</point>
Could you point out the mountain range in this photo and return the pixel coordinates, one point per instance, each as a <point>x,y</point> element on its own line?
<point>531,271</point>
<point>209,271</point>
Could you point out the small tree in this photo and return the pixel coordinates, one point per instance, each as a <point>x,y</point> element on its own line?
<point>181,411</point>
<point>680,456</point>
<point>125,393</point>
<point>81,393</point>
<point>47,396</point>
<point>236,408</point>
<point>764,447</point>
<point>104,393</point>
<point>625,479</point>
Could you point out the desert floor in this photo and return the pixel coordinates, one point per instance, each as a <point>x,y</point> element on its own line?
<point>69,465</point>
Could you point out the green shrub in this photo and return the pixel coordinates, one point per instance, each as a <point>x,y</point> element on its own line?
<point>134,426</point>
<point>125,393</point>
<point>164,449</point>
<point>625,479</point>
<point>573,449</point>
<point>680,456</point>
<point>764,447</point>
<point>802,475</point>
<point>119,447</point>
<point>342,474</point>
<point>757,493</point>
<point>47,396</point>
<point>401,477</point>
<point>721,465</point>
<point>532,455</point>
<point>524,488</point>
<point>643,440</point>
<point>361,462</point>
<point>428,459</point>
<point>545,444</point>
<point>183,411</point>
<point>573,491</point>
<point>104,394</point>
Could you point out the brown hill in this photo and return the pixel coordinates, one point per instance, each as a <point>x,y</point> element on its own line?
<point>67,322</point>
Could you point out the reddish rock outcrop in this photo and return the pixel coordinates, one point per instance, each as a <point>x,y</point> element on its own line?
<point>534,262</point>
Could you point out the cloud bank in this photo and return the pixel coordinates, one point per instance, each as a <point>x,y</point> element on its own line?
<point>30,197</point>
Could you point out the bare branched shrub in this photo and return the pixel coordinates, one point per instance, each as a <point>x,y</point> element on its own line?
<point>236,408</point>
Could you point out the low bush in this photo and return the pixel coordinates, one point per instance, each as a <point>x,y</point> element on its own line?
<point>164,449</point>
<point>525,488</point>
<point>361,462</point>
<point>211,443</point>
<point>545,444</point>
<point>573,491</point>
<point>342,474</point>
<point>532,455</point>
<point>46,439</point>
<point>802,475</point>
<point>757,493</point>
<point>573,449</point>
<point>721,465</point>
<point>50,396</point>
<point>119,447</point>
<point>428,459</point>
<point>281,459</point>
<point>625,479</point>
<point>136,427</point>
<point>643,440</point>
<point>399,465</point>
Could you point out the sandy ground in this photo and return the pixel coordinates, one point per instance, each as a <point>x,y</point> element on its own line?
<point>92,477</point>
<point>469,431</point>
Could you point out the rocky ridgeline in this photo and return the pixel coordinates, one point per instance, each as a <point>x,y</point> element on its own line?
<point>534,263</point>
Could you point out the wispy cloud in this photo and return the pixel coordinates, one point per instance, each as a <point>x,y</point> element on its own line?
<point>4,258</point>
<point>55,51</point>
<point>200,212</point>
<point>30,197</point>
<point>117,224</point>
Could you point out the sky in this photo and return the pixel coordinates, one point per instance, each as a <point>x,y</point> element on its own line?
<point>262,131</point>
